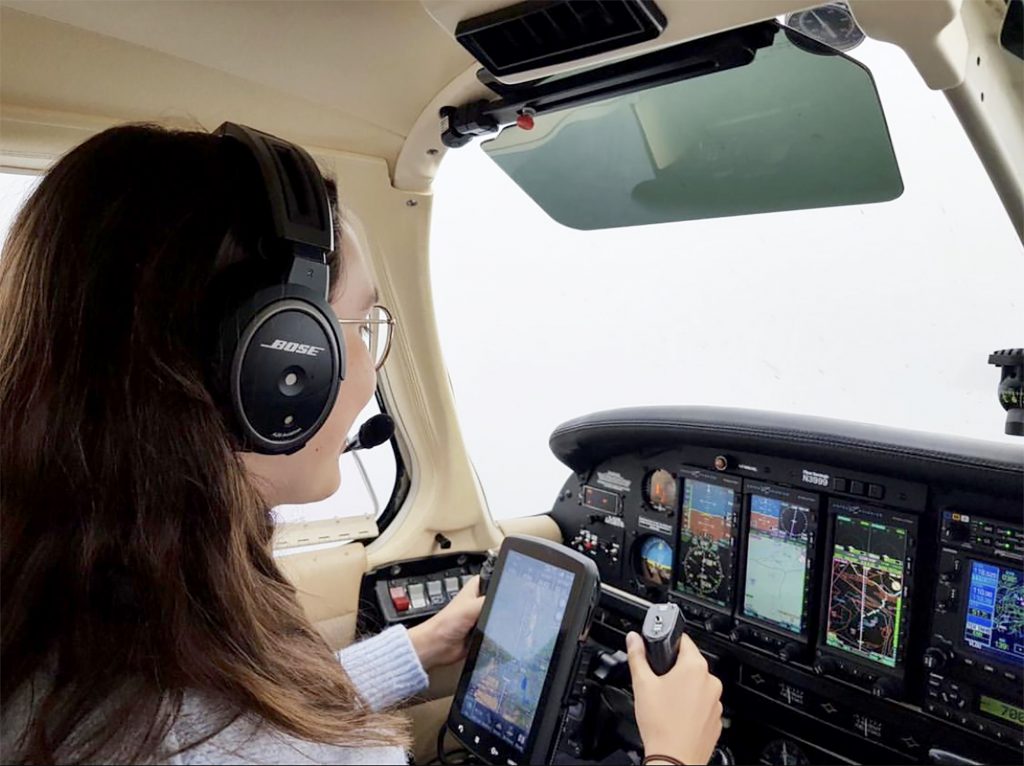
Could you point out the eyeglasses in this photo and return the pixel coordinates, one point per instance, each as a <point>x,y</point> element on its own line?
<point>375,330</point>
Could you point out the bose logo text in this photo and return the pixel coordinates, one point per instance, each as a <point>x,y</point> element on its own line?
<point>295,348</point>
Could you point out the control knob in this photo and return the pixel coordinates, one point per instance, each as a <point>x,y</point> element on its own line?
<point>947,597</point>
<point>740,633</point>
<point>886,688</point>
<point>790,651</point>
<point>957,532</point>
<point>825,666</point>
<point>935,658</point>
<point>717,623</point>
<point>952,698</point>
<point>653,593</point>
<point>949,568</point>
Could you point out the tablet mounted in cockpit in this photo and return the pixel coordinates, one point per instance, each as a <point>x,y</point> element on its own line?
<point>523,652</point>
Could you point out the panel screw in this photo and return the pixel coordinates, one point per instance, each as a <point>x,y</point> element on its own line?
<point>411,203</point>
<point>432,152</point>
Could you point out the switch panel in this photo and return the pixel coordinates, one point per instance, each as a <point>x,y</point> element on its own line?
<point>412,591</point>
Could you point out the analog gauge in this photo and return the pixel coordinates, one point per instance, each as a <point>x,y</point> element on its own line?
<point>793,521</point>
<point>661,491</point>
<point>702,566</point>
<point>832,24</point>
<point>655,561</point>
<point>783,752</point>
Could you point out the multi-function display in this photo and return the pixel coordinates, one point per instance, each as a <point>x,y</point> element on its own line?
<point>780,543</point>
<point>867,587</point>
<point>707,530</point>
<point>994,622</point>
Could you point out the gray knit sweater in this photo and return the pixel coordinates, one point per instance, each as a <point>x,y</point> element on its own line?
<point>384,669</point>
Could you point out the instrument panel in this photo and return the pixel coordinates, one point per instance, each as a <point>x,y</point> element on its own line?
<point>866,578</point>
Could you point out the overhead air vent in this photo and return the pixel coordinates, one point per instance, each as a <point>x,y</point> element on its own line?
<point>532,35</point>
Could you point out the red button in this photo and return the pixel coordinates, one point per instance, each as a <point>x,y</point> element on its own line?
<point>399,598</point>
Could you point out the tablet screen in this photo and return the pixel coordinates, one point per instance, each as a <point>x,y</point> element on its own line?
<point>518,643</point>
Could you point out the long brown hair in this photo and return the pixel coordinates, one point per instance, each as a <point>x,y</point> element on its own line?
<point>136,554</point>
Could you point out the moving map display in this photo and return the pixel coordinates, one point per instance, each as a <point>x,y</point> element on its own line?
<point>706,532</point>
<point>775,583</point>
<point>994,623</point>
<point>866,594</point>
<point>519,640</point>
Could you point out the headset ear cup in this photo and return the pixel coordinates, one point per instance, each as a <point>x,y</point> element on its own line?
<point>279,363</point>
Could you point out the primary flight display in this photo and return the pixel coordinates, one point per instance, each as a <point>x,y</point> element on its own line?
<point>707,531</point>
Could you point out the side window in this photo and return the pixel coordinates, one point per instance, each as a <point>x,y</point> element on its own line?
<point>367,481</point>
<point>14,190</point>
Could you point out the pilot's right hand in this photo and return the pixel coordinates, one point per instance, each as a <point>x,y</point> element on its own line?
<point>679,714</point>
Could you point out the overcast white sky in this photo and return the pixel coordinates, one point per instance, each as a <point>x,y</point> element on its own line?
<point>883,314</point>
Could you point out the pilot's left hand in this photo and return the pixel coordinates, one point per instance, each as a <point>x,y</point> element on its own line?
<point>444,638</point>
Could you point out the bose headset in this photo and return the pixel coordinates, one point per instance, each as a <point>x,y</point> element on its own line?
<point>280,357</point>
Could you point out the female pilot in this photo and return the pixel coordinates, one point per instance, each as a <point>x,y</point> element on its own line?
<point>144,618</point>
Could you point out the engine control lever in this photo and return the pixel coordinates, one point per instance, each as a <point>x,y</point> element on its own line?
<point>662,631</point>
<point>487,571</point>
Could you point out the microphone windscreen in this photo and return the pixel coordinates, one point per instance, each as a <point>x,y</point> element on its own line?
<point>376,430</point>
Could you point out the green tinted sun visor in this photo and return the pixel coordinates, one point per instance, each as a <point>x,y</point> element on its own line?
<point>799,127</point>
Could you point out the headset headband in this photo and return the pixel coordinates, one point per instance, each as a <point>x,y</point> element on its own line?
<point>299,209</point>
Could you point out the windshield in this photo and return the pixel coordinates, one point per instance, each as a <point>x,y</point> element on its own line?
<point>798,127</point>
<point>881,313</point>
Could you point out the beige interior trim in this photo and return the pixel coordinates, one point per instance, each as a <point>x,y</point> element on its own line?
<point>423,151</point>
<point>57,68</point>
<point>990,106</point>
<point>534,526</point>
<point>932,34</point>
<point>955,46</point>
<point>328,589</point>
<point>33,138</point>
<point>427,719</point>
<point>297,534</point>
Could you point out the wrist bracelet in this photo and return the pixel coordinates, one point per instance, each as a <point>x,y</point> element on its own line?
<point>663,759</point>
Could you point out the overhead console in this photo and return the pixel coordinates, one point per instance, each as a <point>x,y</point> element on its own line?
<point>859,589</point>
